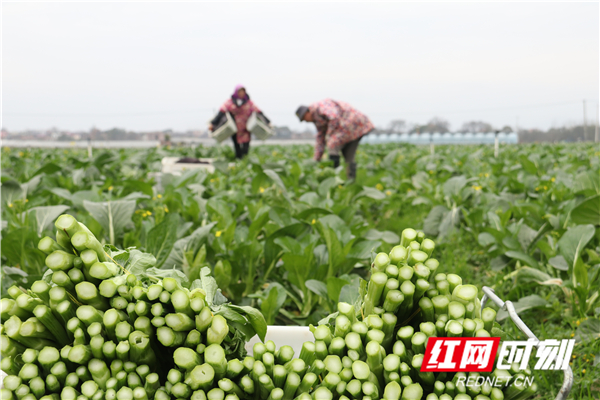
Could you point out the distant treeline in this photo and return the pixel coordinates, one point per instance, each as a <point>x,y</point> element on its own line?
<point>563,134</point>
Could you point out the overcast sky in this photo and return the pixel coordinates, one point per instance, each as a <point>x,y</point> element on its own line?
<point>154,66</point>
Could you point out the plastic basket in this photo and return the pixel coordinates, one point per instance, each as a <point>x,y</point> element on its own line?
<point>259,128</point>
<point>226,130</point>
<point>488,294</point>
<point>170,165</point>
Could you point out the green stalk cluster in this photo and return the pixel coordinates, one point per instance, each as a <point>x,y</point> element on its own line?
<point>94,331</point>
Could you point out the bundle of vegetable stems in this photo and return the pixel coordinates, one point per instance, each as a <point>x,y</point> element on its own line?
<point>93,330</point>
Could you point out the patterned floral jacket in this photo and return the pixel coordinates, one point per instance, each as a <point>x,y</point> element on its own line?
<point>337,123</point>
<point>240,114</point>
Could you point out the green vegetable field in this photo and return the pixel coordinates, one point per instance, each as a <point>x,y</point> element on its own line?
<point>122,282</point>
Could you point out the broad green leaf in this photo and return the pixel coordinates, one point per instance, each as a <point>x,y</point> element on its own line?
<point>450,221</point>
<point>499,263</point>
<point>194,176</point>
<point>387,236</point>
<point>431,225</point>
<point>271,305</point>
<point>334,287</point>
<point>113,216</point>
<point>526,275</point>
<point>526,236</point>
<point>139,186</point>
<point>167,273</point>
<point>60,192</point>
<point>587,182</point>
<point>372,193</point>
<point>221,212</point>
<point>528,165</point>
<point>20,249</point>
<point>139,262</point>
<point>349,294</point>
<point>135,196</point>
<point>45,216</point>
<point>588,331</point>
<point>511,242</point>
<point>523,304</point>
<point>29,186</point>
<point>256,319</point>
<point>420,200</point>
<point>289,244</point>
<point>14,276</point>
<point>261,218</point>
<point>559,263</point>
<point>588,212</point>
<point>334,248</point>
<point>222,273</point>
<point>162,237</point>
<point>272,250</point>
<point>120,257</point>
<point>362,250</point>
<point>454,185</point>
<point>572,243</point>
<point>11,191</point>
<point>181,246</point>
<point>313,212</point>
<point>48,169</point>
<point>334,222</point>
<point>230,314</point>
<point>317,287</point>
<point>327,185</point>
<point>485,239</point>
<point>276,178</point>
<point>524,258</point>
<point>79,197</point>
<point>209,284</point>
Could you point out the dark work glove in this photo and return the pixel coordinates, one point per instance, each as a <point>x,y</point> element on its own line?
<point>335,159</point>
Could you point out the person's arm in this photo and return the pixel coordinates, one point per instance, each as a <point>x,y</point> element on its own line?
<point>215,120</point>
<point>264,117</point>
<point>219,117</point>
<point>257,110</point>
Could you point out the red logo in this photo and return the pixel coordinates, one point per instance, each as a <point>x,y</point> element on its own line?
<point>460,354</point>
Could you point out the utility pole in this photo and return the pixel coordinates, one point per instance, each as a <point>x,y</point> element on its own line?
<point>496,145</point>
<point>584,123</point>
<point>597,111</point>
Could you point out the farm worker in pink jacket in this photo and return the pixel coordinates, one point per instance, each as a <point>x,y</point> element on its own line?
<point>241,108</point>
<point>339,127</point>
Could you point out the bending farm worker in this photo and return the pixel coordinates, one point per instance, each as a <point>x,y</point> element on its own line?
<point>240,107</point>
<point>339,127</point>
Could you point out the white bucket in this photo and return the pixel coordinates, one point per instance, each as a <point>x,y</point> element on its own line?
<point>258,128</point>
<point>226,130</point>
<point>293,336</point>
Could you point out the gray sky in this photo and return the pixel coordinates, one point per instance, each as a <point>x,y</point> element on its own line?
<point>151,66</point>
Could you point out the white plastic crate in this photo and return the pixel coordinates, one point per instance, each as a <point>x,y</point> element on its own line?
<point>226,130</point>
<point>259,128</point>
<point>171,166</point>
<point>293,336</point>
